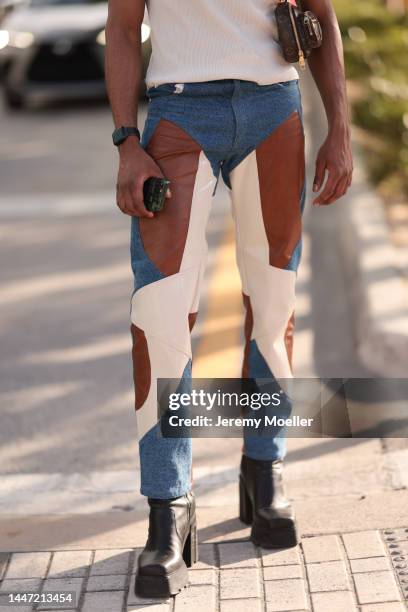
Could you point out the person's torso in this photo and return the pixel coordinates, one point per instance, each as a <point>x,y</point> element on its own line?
<point>202,40</point>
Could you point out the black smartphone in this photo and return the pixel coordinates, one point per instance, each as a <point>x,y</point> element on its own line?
<point>154,193</point>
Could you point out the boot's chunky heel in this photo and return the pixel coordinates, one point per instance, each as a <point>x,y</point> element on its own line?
<point>171,547</point>
<point>245,505</point>
<point>190,551</point>
<point>268,534</point>
<point>262,503</point>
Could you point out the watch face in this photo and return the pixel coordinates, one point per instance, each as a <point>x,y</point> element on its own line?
<point>119,136</point>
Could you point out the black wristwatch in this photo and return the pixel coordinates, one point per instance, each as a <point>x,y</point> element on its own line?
<point>121,133</point>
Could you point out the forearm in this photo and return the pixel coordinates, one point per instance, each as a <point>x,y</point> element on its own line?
<point>327,67</point>
<point>123,68</point>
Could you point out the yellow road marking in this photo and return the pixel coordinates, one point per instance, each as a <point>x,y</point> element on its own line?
<point>219,350</point>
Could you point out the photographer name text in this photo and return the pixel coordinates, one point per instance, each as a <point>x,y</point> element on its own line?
<point>266,421</point>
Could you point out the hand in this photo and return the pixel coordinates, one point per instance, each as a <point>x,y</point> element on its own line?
<point>334,156</point>
<point>135,167</point>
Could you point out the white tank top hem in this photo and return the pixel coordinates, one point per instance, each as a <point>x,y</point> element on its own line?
<point>207,40</point>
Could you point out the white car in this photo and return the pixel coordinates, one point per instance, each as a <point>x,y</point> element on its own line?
<point>54,49</point>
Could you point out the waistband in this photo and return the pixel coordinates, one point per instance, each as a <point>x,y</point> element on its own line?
<point>224,88</point>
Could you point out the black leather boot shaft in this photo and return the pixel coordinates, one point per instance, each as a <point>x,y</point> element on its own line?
<point>171,547</point>
<point>263,504</point>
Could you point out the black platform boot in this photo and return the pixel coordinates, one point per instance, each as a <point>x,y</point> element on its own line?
<point>262,503</point>
<point>171,547</point>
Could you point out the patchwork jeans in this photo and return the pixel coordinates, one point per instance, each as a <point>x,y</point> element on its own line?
<point>253,136</point>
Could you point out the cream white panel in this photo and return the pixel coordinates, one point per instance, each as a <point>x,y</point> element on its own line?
<point>246,199</point>
<point>247,213</point>
<point>165,362</point>
<point>196,244</point>
<point>196,298</point>
<point>161,309</point>
<point>274,352</point>
<point>272,293</point>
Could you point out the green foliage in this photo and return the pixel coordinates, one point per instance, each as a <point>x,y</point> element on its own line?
<point>376,54</point>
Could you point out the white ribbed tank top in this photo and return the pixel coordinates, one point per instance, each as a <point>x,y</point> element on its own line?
<point>205,40</point>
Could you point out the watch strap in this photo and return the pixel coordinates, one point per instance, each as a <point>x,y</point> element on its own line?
<point>121,133</point>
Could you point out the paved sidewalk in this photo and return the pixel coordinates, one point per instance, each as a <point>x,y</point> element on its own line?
<point>365,571</point>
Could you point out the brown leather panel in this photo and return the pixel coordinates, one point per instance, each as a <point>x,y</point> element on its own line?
<point>141,366</point>
<point>281,171</point>
<point>248,327</point>
<point>192,317</point>
<point>164,236</point>
<point>289,339</point>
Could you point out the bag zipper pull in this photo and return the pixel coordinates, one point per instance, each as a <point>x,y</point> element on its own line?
<point>302,62</point>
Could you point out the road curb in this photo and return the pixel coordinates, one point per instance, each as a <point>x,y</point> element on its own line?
<point>379,294</point>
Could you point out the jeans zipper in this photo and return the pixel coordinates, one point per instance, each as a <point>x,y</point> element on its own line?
<point>218,179</point>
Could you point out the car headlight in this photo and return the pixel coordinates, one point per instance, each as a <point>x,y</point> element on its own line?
<point>101,38</point>
<point>4,38</point>
<point>19,40</point>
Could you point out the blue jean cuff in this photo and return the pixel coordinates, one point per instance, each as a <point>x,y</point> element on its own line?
<point>155,493</point>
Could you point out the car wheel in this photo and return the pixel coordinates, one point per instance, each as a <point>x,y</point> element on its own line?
<point>13,100</point>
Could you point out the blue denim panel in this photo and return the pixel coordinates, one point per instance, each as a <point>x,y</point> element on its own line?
<point>144,270</point>
<point>148,130</point>
<point>272,446</point>
<point>297,253</point>
<point>165,463</point>
<point>295,259</point>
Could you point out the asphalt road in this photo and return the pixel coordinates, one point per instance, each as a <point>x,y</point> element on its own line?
<point>62,148</point>
<point>65,369</point>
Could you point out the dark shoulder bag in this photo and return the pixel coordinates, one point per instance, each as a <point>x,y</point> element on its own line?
<point>299,32</point>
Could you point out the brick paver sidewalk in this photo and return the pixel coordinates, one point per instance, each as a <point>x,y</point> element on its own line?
<point>365,571</point>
